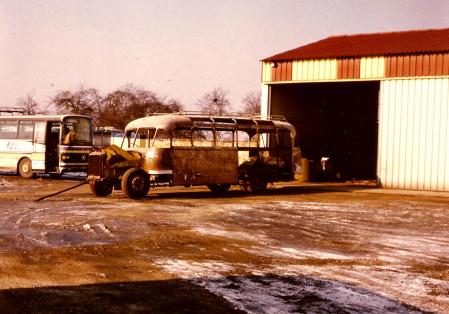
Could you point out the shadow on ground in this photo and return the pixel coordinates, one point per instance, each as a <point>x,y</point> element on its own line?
<point>170,296</point>
<point>284,190</point>
<point>258,294</point>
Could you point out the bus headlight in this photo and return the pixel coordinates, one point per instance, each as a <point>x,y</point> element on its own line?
<point>65,157</point>
<point>150,154</point>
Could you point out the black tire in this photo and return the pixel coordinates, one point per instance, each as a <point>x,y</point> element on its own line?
<point>55,175</point>
<point>25,168</point>
<point>100,188</point>
<point>257,183</point>
<point>243,180</point>
<point>252,180</point>
<point>219,188</point>
<point>135,183</point>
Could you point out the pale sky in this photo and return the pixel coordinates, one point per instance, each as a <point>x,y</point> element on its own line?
<point>179,49</point>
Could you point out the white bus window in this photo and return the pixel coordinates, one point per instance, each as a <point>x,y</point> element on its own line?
<point>144,136</point>
<point>182,138</point>
<point>161,140</point>
<point>8,130</point>
<point>39,132</point>
<point>130,138</point>
<point>243,139</point>
<point>267,139</point>
<point>25,130</point>
<point>225,138</point>
<point>77,131</point>
<point>203,138</point>
<point>101,139</point>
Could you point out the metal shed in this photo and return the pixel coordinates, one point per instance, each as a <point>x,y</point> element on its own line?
<point>376,104</point>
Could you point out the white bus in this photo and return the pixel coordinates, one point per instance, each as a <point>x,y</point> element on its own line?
<point>104,136</point>
<point>51,144</point>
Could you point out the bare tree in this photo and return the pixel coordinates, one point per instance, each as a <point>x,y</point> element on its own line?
<point>214,102</point>
<point>115,109</point>
<point>251,103</point>
<point>28,104</point>
<point>86,101</point>
<point>173,105</point>
<point>132,102</point>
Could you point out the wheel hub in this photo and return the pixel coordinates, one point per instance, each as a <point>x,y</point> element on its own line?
<point>138,183</point>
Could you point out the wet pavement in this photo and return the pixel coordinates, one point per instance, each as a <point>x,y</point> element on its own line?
<point>297,248</point>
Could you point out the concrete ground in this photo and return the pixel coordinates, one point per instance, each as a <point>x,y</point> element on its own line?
<point>300,247</point>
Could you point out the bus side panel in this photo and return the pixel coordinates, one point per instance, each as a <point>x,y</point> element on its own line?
<point>8,161</point>
<point>8,158</point>
<point>13,150</point>
<point>38,160</point>
<point>200,166</point>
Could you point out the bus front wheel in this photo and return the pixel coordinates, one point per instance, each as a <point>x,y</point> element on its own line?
<point>135,183</point>
<point>25,168</point>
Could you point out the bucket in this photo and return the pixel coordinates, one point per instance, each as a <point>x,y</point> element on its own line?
<point>305,169</point>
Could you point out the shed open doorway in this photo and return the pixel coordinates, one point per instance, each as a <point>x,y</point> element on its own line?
<point>338,121</point>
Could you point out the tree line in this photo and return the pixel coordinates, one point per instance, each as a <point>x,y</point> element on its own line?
<point>130,102</point>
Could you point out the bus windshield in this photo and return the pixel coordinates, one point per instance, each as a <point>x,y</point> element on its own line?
<point>76,131</point>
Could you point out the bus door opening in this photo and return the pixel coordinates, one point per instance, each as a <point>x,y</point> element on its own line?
<point>51,146</point>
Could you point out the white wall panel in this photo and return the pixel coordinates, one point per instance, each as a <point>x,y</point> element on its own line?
<point>314,70</point>
<point>266,71</point>
<point>372,67</point>
<point>265,100</point>
<point>413,134</point>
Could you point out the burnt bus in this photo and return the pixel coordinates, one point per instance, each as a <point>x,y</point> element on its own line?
<point>190,150</point>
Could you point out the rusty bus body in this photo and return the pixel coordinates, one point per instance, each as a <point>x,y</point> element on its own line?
<point>186,150</point>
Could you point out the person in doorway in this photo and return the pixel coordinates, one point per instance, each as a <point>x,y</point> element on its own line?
<point>71,137</point>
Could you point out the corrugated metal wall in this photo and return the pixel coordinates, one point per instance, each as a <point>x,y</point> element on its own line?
<point>366,68</point>
<point>413,147</point>
<point>417,65</point>
<point>372,68</point>
<point>348,68</point>
<point>280,71</point>
<point>413,150</point>
<point>314,70</point>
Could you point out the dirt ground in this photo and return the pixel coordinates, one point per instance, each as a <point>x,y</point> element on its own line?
<point>294,249</point>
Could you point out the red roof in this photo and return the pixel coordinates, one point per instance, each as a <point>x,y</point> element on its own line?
<point>395,43</point>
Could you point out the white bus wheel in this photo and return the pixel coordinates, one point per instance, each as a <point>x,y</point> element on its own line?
<point>25,168</point>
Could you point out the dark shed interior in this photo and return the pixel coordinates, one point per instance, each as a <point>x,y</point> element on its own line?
<point>336,120</point>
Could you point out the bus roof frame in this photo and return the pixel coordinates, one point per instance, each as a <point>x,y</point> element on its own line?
<point>171,121</point>
<point>39,117</point>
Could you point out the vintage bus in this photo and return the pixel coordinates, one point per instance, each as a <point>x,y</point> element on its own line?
<point>186,150</point>
<point>51,144</point>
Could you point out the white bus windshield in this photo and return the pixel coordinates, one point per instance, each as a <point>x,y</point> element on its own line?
<point>76,131</point>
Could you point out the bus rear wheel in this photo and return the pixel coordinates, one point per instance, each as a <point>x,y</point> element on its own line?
<point>219,188</point>
<point>25,168</point>
<point>257,184</point>
<point>252,180</point>
<point>135,183</point>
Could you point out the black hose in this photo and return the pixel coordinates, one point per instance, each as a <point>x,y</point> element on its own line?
<point>59,192</point>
